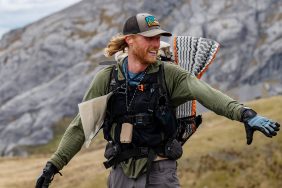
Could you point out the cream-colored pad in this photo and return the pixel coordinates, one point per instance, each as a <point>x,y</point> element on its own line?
<point>126,133</point>
<point>92,114</point>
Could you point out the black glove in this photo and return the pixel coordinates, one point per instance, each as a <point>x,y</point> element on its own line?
<point>255,122</point>
<point>47,176</point>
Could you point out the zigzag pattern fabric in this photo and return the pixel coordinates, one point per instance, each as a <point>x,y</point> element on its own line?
<point>194,54</point>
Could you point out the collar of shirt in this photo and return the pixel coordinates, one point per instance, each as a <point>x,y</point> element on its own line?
<point>133,78</point>
<point>151,69</point>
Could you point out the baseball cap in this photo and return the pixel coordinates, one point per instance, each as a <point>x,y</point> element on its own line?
<point>144,24</point>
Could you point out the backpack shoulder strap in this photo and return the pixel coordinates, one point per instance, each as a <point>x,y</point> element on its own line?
<point>162,81</point>
<point>113,79</point>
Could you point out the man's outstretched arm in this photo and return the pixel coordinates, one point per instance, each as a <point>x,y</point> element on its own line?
<point>184,86</point>
<point>228,107</point>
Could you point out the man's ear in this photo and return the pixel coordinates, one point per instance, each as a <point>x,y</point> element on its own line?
<point>129,40</point>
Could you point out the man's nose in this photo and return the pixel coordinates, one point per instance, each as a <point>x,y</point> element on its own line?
<point>156,42</point>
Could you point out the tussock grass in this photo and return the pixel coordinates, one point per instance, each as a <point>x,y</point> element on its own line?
<point>215,156</point>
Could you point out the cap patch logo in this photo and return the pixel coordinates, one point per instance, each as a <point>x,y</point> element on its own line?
<point>151,21</point>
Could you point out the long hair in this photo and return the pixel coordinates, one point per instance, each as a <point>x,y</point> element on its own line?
<point>117,43</point>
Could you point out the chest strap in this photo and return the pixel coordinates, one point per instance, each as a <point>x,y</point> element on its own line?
<point>140,119</point>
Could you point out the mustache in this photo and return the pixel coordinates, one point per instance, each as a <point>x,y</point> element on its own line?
<point>153,49</point>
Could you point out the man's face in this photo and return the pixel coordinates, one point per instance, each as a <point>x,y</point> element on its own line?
<point>145,49</point>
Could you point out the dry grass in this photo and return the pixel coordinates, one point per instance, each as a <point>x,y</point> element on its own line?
<point>216,156</point>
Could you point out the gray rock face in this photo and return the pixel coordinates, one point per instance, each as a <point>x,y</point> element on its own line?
<point>46,67</point>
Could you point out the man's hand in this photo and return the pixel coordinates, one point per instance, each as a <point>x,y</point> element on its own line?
<point>47,176</point>
<point>255,122</point>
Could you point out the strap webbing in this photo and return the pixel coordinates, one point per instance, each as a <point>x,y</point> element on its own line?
<point>151,158</point>
<point>140,152</point>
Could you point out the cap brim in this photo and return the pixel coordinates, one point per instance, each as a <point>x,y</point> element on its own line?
<point>155,32</point>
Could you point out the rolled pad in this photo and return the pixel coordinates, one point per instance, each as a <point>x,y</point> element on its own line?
<point>194,54</point>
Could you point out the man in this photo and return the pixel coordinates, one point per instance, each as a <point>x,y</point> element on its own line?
<point>140,124</point>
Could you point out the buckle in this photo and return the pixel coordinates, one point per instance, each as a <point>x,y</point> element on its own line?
<point>143,150</point>
<point>121,89</point>
<point>140,87</point>
<point>142,119</point>
<point>109,163</point>
<point>139,119</point>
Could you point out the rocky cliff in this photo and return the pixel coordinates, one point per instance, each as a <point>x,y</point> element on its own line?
<point>46,66</point>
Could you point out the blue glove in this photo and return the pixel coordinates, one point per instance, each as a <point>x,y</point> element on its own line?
<point>255,122</point>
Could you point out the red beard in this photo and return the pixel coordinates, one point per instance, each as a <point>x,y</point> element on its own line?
<point>143,55</point>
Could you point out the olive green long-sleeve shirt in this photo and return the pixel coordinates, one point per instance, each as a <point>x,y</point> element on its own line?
<point>182,87</point>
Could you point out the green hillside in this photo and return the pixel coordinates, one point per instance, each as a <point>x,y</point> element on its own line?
<point>215,156</point>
